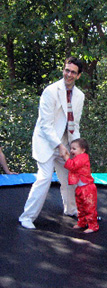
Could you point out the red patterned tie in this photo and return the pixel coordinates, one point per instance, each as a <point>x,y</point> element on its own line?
<point>70,113</point>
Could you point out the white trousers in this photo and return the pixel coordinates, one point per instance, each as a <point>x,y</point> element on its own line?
<point>39,189</point>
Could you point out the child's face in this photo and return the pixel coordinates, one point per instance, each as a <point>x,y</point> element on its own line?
<point>76,149</point>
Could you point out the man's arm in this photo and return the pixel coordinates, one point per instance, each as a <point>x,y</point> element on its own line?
<point>63,151</point>
<point>47,116</point>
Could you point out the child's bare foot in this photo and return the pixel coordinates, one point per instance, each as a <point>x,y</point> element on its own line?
<point>76,226</point>
<point>88,231</point>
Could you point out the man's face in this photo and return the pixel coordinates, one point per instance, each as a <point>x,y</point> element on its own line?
<point>70,74</point>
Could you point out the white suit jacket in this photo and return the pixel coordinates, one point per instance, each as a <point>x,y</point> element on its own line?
<point>52,119</point>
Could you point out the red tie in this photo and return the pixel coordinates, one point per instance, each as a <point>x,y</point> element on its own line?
<point>70,113</point>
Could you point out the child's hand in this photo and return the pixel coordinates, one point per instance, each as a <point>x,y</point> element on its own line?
<point>66,156</point>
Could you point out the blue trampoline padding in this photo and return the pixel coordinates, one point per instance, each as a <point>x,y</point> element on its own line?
<point>29,178</point>
<point>23,178</point>
<point>100,178</point>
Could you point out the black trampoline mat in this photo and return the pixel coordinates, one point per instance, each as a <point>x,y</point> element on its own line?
<point>54,255</point>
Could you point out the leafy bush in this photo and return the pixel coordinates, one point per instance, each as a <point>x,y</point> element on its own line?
<point>94,128</point>
<point>17,119</point>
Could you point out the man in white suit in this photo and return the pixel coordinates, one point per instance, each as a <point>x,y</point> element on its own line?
<point>50,142</point>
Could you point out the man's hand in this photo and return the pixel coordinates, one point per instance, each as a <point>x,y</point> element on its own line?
<point>63,151</point>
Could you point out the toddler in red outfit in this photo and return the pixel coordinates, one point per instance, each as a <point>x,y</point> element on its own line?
<point>86,191</point>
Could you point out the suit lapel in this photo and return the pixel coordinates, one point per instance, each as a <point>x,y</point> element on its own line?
<point>62,95</point>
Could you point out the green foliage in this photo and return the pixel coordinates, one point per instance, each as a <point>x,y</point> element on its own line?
<point>94,122</point>
<point>36,36</point>
<point>44,32</point>
<point>18,114</point>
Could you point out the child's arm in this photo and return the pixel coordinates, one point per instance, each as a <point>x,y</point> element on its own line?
<point>77,162</point>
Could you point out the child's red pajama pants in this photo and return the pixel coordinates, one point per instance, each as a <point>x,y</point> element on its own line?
<point>86,199</point>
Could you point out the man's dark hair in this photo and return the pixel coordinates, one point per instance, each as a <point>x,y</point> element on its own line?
<point>75,61</point>
<point>82,144</point>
